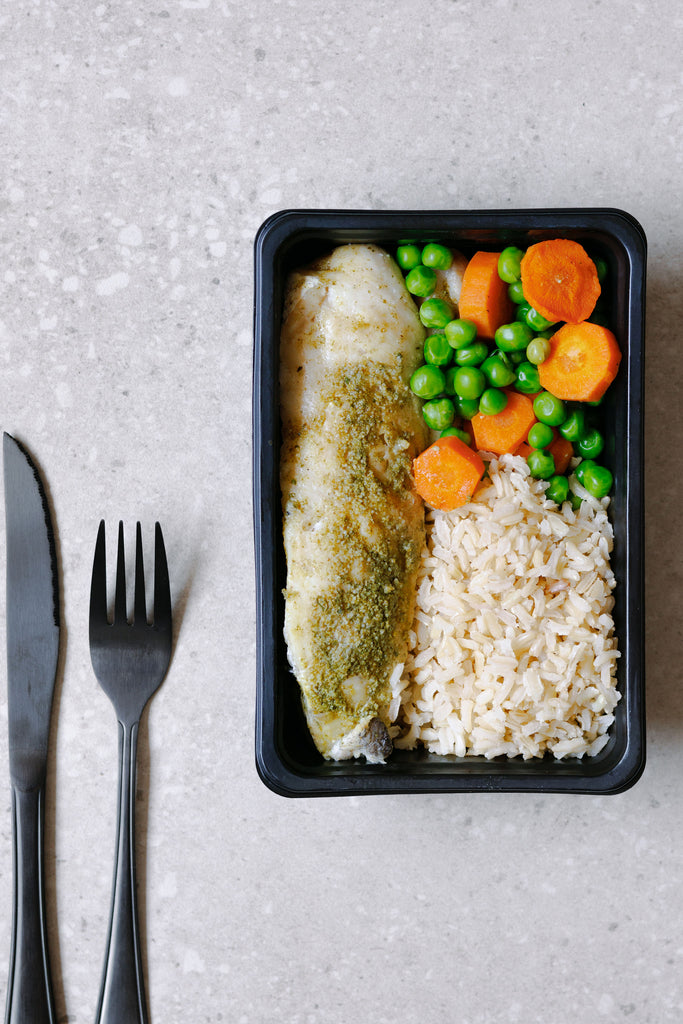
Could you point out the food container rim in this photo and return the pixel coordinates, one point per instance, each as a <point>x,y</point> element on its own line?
<point>278,769</point>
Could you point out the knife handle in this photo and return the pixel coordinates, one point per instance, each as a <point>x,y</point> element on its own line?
<point>122,993</point>
<point>29,989</point>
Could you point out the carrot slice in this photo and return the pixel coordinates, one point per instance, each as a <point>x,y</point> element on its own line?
<point>524,450</point>
<point>484,295</point>
<point>560,280</point>
<point>583,362</point>
<point>447,473</point>
<point>505,431</point>
<point>562,451</point>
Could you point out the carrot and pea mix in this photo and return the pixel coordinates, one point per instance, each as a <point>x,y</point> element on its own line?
<point>520,369</point>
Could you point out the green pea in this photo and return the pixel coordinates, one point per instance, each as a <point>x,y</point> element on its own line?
<point>541,465</point>
<point>521,311</point>
<point>591,444</point>
<point>597,480</point>
<point>492,401</point>
<point>540,435</point>
<point>421,281</point>
<point>408,257</point>
<point>513,337</point>
<point>466,407</point>
<point>515,292</point>
<point>439,413</point>
<point>582,467</point>
<point>557,489</point>
<point>455,432</point>
<point>427,382</point>
<point>575,501</point>
<point>538,350</point>
<point>469,382</point>
<point>472,355</point>
<point>516,357</point>
<point>527,379</point>
<point>437,350</point>
<point>601,267</point>
<point>498,370</point>
<point>435,312</point>
<point>460,333</point>
<point>436,256</point>
<point>574,427</point>
<point>509,269</point>
<point>549,409</point>
<point>536,321</point>
<point>449,377</point>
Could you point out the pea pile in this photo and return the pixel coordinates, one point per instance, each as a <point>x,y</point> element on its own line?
<point>464,375</point>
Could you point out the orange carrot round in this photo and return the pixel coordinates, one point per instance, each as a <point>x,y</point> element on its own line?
<point>524,450</point>
<point>484,295</point>
<point>583,362</point>
<point>560,280</point>
<point>447,473</point>
<point>505,431</point>
<point>562,452</point>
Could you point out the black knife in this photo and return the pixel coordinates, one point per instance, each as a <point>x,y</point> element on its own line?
<point>32,655</point>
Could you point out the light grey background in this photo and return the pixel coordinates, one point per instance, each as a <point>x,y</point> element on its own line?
<point>141,146</point>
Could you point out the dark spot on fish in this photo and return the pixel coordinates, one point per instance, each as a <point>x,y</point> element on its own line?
<point>376,741</point>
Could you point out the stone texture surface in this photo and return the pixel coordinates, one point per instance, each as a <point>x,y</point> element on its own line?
<point>141,146</point>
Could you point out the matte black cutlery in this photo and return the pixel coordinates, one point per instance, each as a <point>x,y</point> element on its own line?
<point>130,656</point>
<point>32,656</point>
<point>130,659</point>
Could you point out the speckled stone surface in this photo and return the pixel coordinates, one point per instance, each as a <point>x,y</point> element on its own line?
<point>141,146</point>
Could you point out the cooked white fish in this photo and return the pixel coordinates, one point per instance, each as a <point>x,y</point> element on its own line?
<point>449,282</point>
<point>353,526</point>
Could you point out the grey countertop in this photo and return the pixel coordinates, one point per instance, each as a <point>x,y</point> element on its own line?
<point>141,146</point>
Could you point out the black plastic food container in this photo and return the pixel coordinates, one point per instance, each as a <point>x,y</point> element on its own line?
<point>286,758</point>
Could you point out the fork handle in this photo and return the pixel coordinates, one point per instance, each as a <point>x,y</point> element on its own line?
<point>122,992</point>
<point>29,990</point>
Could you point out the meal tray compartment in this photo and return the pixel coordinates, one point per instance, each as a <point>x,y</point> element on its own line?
<point>286,758</point>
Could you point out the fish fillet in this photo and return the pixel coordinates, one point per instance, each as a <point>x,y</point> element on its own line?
<point>353,526</point>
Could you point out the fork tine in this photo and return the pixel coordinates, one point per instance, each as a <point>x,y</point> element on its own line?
<point>98,585</point>
<point>162,587</point>
<point>139,608</point>
<point>120,592</point>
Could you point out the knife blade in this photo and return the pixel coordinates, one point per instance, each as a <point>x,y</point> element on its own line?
<point>33,633</point>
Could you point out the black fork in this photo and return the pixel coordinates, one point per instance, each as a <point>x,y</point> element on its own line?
<point>130,660</point>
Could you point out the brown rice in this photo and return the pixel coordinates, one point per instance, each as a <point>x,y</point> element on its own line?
<point>513,649</point>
